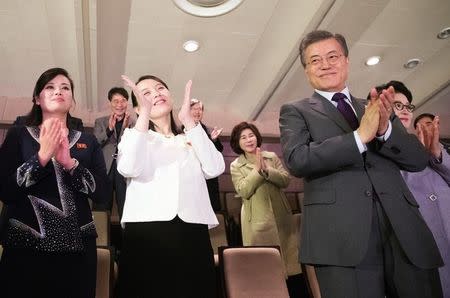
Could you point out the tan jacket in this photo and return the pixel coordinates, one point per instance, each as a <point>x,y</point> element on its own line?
<point>266,216</point>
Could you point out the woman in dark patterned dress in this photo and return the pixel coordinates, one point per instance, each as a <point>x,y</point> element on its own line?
<point>48,173</point>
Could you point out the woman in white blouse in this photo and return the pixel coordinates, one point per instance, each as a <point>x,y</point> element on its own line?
<point>166,248</point>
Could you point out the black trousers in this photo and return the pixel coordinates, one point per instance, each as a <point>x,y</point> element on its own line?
<point>385,271</point>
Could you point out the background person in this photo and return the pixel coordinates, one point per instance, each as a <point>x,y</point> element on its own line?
<point>259,177</point>
<point>108,130</point>
<point>197,109</point>
<point>430,187</point>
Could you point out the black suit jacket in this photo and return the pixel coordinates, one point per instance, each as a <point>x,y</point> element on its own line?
<point>213,184</point>
<point>340,183</point>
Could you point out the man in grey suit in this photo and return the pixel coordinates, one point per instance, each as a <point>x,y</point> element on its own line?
<point>108,131</point>
<point>361,230</point>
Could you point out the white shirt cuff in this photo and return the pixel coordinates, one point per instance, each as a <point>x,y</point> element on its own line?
<point>361,147</point>
<point>387,134</point>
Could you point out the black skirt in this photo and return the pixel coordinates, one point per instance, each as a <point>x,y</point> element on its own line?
<point>166,259</point>
<point>25,273</point>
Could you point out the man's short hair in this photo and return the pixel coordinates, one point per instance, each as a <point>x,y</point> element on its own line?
<point>398,86</point>
<point>117,90</point>
<point>421,116</point>
<point>195,101</point>
<point>319,35</point>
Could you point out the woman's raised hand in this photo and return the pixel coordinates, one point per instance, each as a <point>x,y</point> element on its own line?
<point>62,154</point>
<point>49,138</point>
<point>144,103</point>
<point>184,115</point>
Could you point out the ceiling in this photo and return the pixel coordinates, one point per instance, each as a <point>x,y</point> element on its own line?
<point>247,65</point>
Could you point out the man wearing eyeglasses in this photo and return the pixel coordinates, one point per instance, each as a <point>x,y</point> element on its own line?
<point>430,187</point>
<point>401,104</point>
<point>361,228</point>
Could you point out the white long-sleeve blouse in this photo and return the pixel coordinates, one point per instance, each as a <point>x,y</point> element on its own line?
<point>166,176</point>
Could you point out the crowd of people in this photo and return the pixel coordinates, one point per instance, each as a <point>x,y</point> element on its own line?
<point>376,205</point>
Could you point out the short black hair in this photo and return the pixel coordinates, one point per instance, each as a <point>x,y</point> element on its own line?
<point>398,86</point>
<point>118,90</point>
<point>319,35</point>
<point>421,116</point>
<point>236,135</point>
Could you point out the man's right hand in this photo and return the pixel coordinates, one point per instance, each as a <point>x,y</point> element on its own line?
<point>370,121</point>
<point>112,122</point>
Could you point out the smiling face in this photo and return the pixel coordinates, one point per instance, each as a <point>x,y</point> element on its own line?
<point>404,115</point>
<point>56,97</point>
<point>159,97</point>
<point>118,105</point>
<point>326,65</point>
<point>197,112</point>
<point>248,141</point>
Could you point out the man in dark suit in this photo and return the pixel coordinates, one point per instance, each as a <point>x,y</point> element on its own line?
<point>361,230</point>
<point>72,122</point>
<point>108,131</point>
<point>197,109</point>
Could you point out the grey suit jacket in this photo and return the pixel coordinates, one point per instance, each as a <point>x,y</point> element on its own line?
<point>108,144</point>
<point>319,145</point>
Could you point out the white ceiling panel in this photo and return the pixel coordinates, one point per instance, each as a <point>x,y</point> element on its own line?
<point>247,65</point>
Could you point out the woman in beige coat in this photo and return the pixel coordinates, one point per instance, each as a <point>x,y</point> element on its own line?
<point>258,177</point>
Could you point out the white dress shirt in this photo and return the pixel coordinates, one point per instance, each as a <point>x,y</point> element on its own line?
<point>166,176</point>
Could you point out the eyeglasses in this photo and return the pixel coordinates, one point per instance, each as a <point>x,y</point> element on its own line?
<point>400,106</point>
<point>332,58</point>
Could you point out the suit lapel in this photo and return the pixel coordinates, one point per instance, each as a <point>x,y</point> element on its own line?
<point>324,106</point>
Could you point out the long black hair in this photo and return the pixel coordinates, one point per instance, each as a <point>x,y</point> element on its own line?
<point>173,125</point>
<point>34,117</point>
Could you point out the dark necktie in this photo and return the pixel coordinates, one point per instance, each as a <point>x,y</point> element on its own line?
<point>346,110</point>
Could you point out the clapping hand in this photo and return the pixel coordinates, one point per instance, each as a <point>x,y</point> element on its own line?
<point>126,119</point>
<point>260,162</point>
<point>216,133</point>
<point>430,137</point>
<point>184,115</point>
<point>369,125</point>
<point>62,154</point>
<point>385,100</point>
<point>112,121</point>
<point>53,140</point>
<point>145,105</point>
<point>49,139</point>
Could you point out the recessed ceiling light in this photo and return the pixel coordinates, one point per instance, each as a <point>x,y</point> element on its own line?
<point>374,60</point>
<point>411,63</point>
<point>207,8</point>
<point>190,46</point>
<point>444,33</point>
